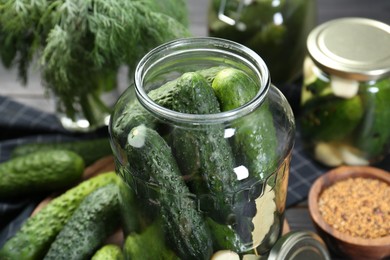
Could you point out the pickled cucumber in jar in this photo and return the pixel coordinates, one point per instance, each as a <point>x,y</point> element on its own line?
<point>345,121</point>
<point>345,108</point>
<point>276,30</point>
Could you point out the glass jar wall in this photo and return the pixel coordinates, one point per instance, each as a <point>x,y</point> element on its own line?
<point>201,175</point>
<point>345,109</point>
<point>275,29</point>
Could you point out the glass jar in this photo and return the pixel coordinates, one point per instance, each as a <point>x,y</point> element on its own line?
<point>345,108</point>
<point>205,181</point>
<point>275,29</point>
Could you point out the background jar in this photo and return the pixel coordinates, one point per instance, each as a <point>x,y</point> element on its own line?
<point>275,29</point>
<point>345,108</point>
<point>218,200</point>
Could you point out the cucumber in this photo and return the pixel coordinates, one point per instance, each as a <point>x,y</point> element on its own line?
<point>255,138</point>
<point>134,114</point>
<point>373,137</point>
<point>108,252</point>
<point>40,172</point>
<point>257,143</point>
<point>151,160</point>
<point>194,95</point>
<point>136,245</point>
<point>89,150</point>
<point>203,154</point>
<point>91,223</point>
<point>36,234</point>
<point>131,222</point>
<point>330,118</point>
<point>234,88</point>
<point>224,237</point>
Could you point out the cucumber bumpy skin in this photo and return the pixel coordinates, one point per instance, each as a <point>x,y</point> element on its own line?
<point>108,252</point>
<point>89,150</point>
<point>329,118</point>
<point>255,138</point>
<point>255,143</point>
<point>134,114</point>
<point>135,245</point>
<point>91,223</point>
<point>373,137</point>
<point>203,154</point>
<point>151,160</point>
<point>33,240</point>
<point>40,172</point>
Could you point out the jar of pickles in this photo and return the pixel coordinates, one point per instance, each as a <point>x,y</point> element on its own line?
<point>275,29</point>
<point>345,102</point>
<point>202,143</point>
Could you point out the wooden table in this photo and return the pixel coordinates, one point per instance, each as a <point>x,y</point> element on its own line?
<point>297,216</point>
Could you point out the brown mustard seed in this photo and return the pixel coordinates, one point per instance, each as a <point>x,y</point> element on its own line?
<point>359,207</point>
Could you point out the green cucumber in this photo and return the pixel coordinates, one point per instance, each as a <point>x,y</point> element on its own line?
<point>108,252</point>
<point>234,88</point>
<point>256,142</point>
<point>89,226</point>
<point>89,150</point>
<point>330,118</point>
<point>148,245</point>
<point>40,172</point>
<point>151,160</point>
<point>131,222</point>
<point>255,138</point>
<point>203,154</point>
<point>194,95</point>
<point>134,114</point>
<point>224,237</point>
<point>33,240</point>
<point>373,137</point>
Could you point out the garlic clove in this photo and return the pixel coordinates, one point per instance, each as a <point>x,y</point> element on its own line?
<point>344,88</point>
<point>327,154</point>
<point>225,255</point>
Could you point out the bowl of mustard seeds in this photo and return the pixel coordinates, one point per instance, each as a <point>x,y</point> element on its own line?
<point>350,207</point>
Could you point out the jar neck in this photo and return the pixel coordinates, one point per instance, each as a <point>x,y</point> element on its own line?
<point>170,60</point>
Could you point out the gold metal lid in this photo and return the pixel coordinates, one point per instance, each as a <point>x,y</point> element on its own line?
<point>354,48</point>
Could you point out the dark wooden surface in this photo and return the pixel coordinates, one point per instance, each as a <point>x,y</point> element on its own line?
<point>298,217</point>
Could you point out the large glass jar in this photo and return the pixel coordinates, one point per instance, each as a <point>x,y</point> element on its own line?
<point>198,183</point>
<point>345,104</point>
<point>275,29</point>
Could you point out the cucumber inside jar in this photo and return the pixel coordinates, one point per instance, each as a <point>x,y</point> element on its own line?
<point>185,178</point>
<point>276,30</point>
<point>343,121</point>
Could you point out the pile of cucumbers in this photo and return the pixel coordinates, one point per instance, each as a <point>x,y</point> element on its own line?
<point>181,178</point>
<point>82,213</point>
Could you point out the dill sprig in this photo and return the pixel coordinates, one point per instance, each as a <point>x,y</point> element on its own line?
<point>81,44</point>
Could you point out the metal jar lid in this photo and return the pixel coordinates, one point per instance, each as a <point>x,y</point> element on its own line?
<point>354,48</point>
<point>299,245</point>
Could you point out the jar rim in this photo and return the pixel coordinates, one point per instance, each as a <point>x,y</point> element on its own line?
<point>213,44</point>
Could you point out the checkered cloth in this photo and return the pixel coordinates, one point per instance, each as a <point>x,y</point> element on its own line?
<point>21,124</point>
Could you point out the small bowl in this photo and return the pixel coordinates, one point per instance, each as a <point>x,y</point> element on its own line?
<point>338,242</point>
